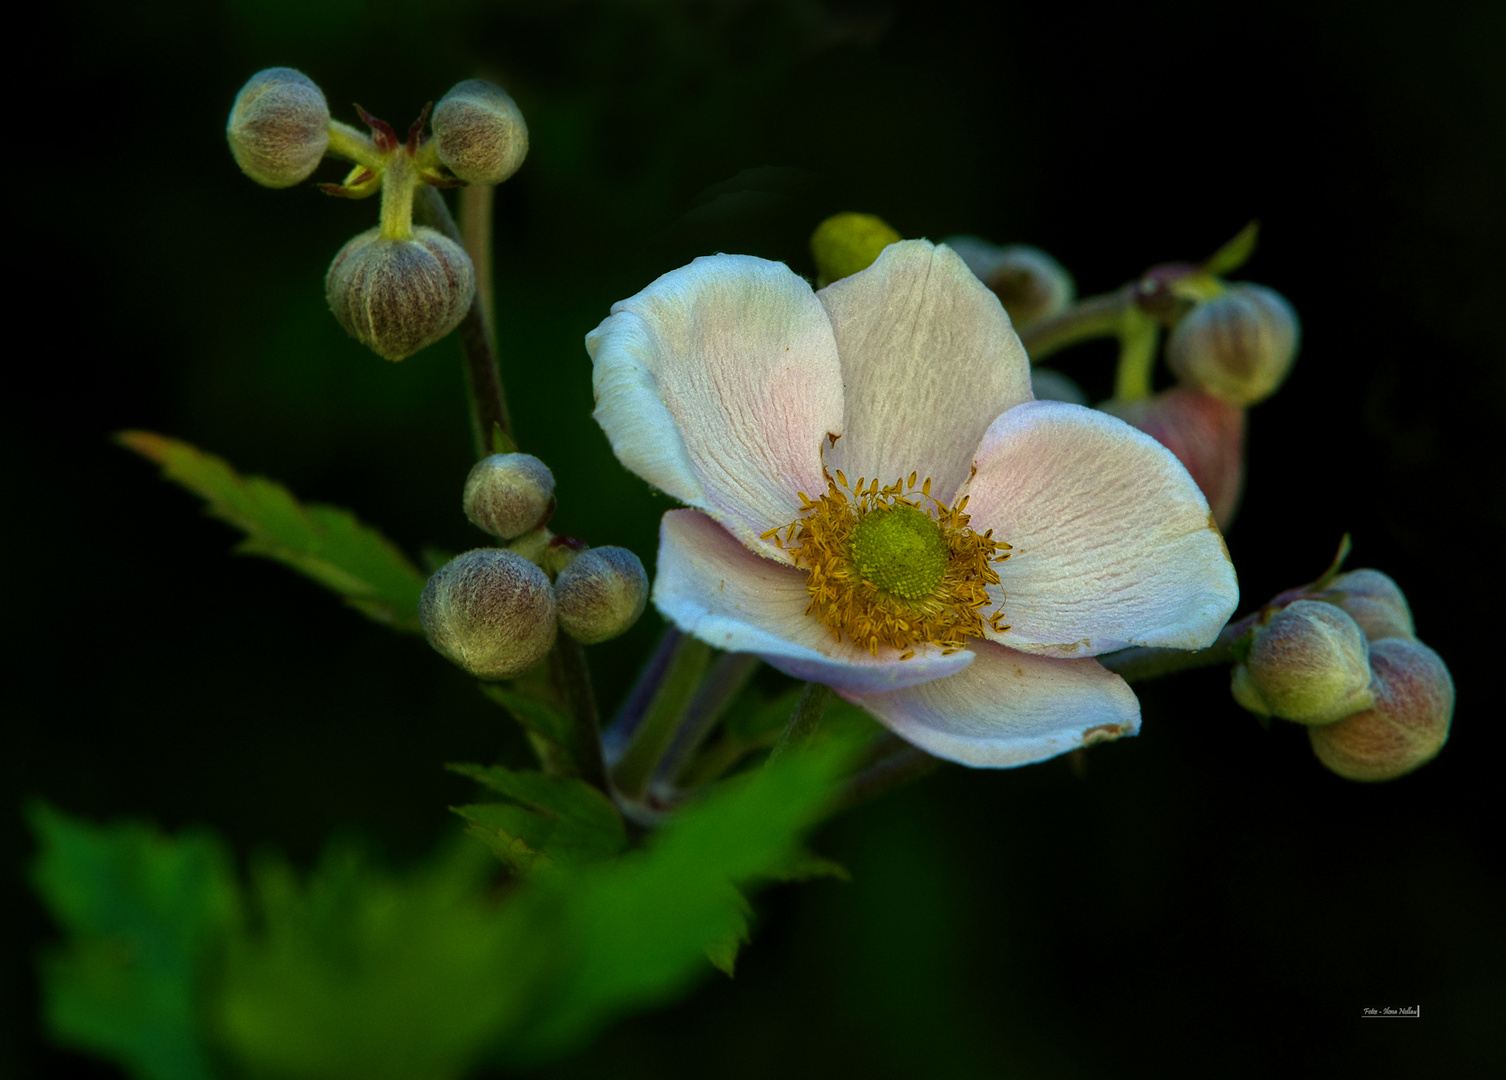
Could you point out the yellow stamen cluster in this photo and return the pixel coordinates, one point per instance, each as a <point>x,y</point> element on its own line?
<point>933,569</point>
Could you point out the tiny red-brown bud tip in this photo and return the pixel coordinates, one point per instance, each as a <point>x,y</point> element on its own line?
<point>1408,725</point>
<point>492,612</point>
<point>279,127</point>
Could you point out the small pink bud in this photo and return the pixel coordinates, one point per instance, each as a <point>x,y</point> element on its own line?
<point>1309,664</point>
<point>1375,602</point>
<point>1409,723</point>
<point>508,495</point>
<point>601,594</point>
<point>1207,436</point>
<point>490,611</point>
<point>1238,346</point>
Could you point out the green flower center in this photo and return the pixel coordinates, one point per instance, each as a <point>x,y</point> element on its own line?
<point>901,550</point>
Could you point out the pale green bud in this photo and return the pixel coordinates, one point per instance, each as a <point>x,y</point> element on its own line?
<point>479,132</point>
<point>1414,704</point>
<point>1374,601</point>
<point>396,296</point>
<point>601,594</point>
<point>279,127</point>
<point>1238,346</point>
<point>844,244</point>
<point>1028,282</point>
<point>491,612</point>
<point>1310,664</point>
<point>508,495</point>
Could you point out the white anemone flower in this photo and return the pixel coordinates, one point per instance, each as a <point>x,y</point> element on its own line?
<point>878,502</point>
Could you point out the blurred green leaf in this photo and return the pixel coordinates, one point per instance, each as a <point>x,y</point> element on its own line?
<point>1235,253</point>
<point>145,916</point>
<point>804,864</point>
<point>637,930</point>
<point>359,973</point>
<point>323,542</point>
<point>541,719</point>
<point>563,821</point>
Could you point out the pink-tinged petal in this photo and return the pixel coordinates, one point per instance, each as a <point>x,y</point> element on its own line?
<point>1113,542</point>
<point>711,586</point>
<point>1009,708</point>
<point>929,359</point>
<point>719,384</point>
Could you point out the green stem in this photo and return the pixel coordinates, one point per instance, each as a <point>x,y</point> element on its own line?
<point>476,227</point>
<point>728,676</point>
<point>353,145</point>
<point>803,721</point>
<point>898,769</point>
<point>1137,665</point>
<point>482,380</point>
<point>398,181</point>
<point>1096,317</point>
<point>1138,337</point>
<point>567,665</point>
<point>654,734</point>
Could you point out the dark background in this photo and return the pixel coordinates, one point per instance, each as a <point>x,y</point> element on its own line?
<point>1204,900</point>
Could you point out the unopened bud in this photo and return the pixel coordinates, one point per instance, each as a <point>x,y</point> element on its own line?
<point>396,296</point>
<point>279,127</point>
<point>1238,346</point>
<point>508,494</point>
<point>844,244</point>
<point>1374,601</point>
<point>1206,435</point>
<point>601,594</point>
<point>1414,703</point>
<point>1029,283</point>
<point>490,611</point>
<point>1310,664</point>
<point>479,132</point>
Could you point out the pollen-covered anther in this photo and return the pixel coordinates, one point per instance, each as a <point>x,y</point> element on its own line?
<point>891,565</point>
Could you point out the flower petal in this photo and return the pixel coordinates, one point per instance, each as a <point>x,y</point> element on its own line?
<point>1113,542</point>
<point>719,384</point>
<point>1009,708</point>
<point>711,586</point>
<point>929,359</point>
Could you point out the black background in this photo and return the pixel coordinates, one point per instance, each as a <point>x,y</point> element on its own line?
<point>1204,900</point>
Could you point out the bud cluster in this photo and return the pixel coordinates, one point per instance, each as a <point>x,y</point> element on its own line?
<point>395,288</point>
<point>496,611</point>
<point>1344,660</point>
<point>1029,283</point>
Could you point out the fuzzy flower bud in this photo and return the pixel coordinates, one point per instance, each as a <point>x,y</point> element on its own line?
<point>490,611</point>
<point>479,132</point>
<point>1414,703</point>
<point>843,244</point>
<point>1207,436</point>
<point>1238,346</point>
<point>1374,601</point>
<point>279,127</point>
<point>601,594</point>
<point>1310,664</point>
<point>1029,283</point>
<point>507,495</point>
<point>396,296</point>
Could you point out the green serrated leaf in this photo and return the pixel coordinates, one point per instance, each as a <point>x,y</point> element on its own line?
<point>565,822</point>
<point>803,864</point>
<point>325,543</point>
<point>723,951</point>
<point>144,915</point>
<point>1235,253</point>
<point>638,929</point>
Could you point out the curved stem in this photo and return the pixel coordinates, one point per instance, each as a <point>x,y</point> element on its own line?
<point>1138,336</point>
<point>353,145</point>
<point>803,721</point>
<point>567,665</point>
<point>1137,665</point>
<point>482,379</point>
<point>633,770</point>
<point>1095,317</point>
